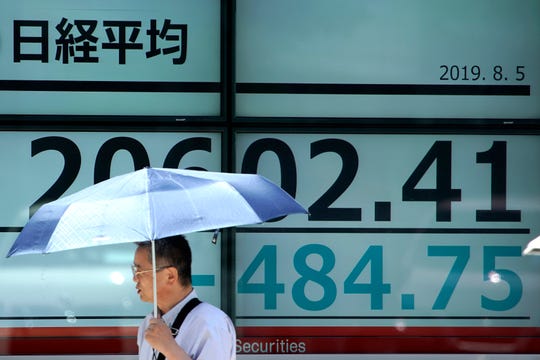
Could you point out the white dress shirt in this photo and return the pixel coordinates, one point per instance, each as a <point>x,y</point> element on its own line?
<point>207,333</point>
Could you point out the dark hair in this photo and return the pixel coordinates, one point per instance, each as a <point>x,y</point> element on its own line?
<point>174,251</point>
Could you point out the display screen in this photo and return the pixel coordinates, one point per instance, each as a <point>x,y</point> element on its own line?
<point>386,119</point>
<point>127,58</point>
<point>88,287</point>
<point>407,235</point>
<point>434,60</point>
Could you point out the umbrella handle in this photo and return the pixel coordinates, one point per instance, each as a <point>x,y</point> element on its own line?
<point>154,282</point>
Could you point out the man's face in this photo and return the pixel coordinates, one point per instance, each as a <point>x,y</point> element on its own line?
<point>143,281</point>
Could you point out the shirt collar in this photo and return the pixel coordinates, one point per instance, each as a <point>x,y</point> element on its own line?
<point>170,316</point>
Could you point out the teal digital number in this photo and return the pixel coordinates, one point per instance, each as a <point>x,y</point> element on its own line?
<point>270,288</point>
<point>315,290</point>
<point>462,255</point>
<point>515,285</point>
<point>320,277</point>
<point>376,287</point>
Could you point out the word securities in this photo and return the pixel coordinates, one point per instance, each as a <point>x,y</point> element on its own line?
<point>268,346</point>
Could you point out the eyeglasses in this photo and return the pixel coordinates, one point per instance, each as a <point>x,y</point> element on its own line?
<point>136,272</point>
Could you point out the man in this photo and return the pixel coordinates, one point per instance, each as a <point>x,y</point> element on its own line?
<point>206,332</point>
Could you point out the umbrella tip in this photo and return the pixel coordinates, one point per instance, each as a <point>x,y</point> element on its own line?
<point>215,236</point>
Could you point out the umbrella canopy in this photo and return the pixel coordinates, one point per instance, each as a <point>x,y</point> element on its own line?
<point>149,204</point>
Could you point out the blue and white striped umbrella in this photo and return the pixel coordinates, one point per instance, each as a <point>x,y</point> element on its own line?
<point>150,204</point>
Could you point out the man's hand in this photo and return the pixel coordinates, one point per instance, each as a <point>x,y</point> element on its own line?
<point>160,337</point>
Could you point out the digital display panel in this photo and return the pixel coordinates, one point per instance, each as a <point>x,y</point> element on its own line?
<point>413,241</point>
<point>125,58</point>
<point>434,60</point>
<point>409,236</point>
<point>88,287</point>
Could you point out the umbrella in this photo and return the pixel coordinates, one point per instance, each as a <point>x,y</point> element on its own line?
<point>150,204</point>
<point>533,247</point>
